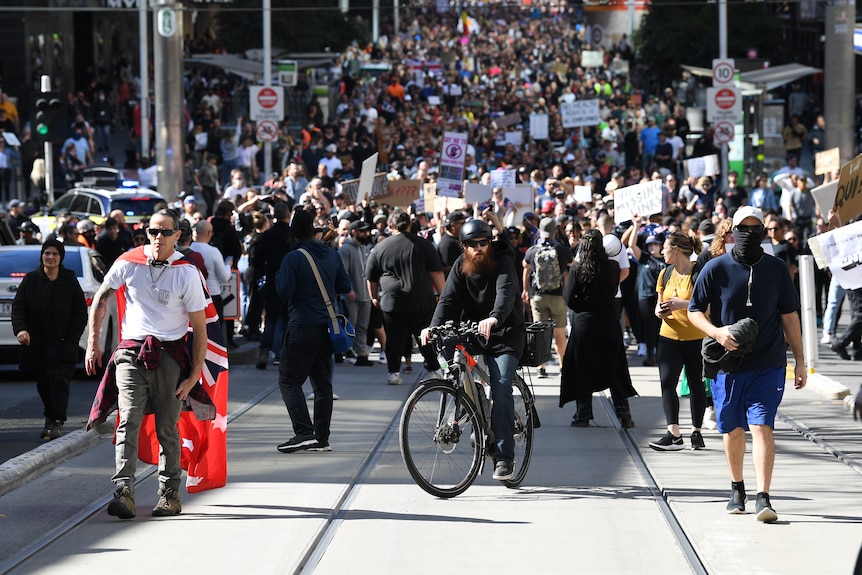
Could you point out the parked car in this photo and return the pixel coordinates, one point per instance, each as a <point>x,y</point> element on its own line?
<point>17,261</point>
<point>96,203</point>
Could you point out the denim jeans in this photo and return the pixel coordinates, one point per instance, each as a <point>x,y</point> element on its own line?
<point>307,353</point>
<point>501,369</point>
<point>833,305</point>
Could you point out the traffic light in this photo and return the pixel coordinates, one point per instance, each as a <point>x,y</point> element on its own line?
<point>48,107</point>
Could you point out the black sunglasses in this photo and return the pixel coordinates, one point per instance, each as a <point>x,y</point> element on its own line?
<point>758,229</point>
<point>477,243</point>
<point>154,232</point>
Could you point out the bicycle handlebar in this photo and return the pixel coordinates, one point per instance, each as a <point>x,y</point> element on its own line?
<point>439,335</point>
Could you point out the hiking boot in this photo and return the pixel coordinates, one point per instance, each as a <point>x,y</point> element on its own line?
<point>56,429</point>
<point>319,446</point>
<point>262,358</point>
<point>763,509</point>
<point>297,443</point>
<point>123,504</point>
<point>667,442</point>
<point>503,470</point>
<point>697,441</point>
<point>363,361</point>
<point>169,503</point>
<point>841,350</point>
<point>46,431</point>
<point>394,379</point>
<point>736,503</point>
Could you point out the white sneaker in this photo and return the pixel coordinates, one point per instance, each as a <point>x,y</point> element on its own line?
<point>627,338</point>
<point>394,379</point>
<point>826,339</point>
<point>709,419</point>
<point>382,356</point>
<point>310,396</point>
<point>641,349</point>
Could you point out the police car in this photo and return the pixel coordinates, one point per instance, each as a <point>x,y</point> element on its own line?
<point>94,200</point>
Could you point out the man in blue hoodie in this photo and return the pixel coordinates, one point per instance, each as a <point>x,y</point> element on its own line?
<point>307,351</point>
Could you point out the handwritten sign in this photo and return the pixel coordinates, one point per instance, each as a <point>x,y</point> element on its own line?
<point>827,161</point>
<point>841,250</point>
<point>580,113</point>
<point>641,199</point>
<point>503,178</point>
<point>583,194</point>
<point>400,192</point>
<point>592,58</point>
<point>848,200</point>
<point>508,120</point>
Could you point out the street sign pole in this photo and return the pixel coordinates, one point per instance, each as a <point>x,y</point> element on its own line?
<point>722,53</point>
<point>48,151</point>
<point>170,128</point>
<point>267,78</point>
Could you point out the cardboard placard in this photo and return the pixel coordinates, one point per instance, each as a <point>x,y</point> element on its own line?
<point>507,120</point>
<point>848,200</point>
<point>592,58</point>
<point>503,178</point>
<point>230,297</point>
<point>400,192</point>
<point>841,250</point>
<point>539,126</point>
<point>366,178</point>
<point>583,194</point>
<point>827,161</point>
<point>824,196</point>
<point>441,204</point>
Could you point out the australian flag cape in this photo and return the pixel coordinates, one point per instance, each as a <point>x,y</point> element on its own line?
<point>202,427</point>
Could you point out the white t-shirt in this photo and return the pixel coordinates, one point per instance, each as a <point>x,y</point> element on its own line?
<point>331,164</point>
<point>161,311</point>
<point>217,272</point>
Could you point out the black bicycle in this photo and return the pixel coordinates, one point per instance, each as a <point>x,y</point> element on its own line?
<point>445,430</point>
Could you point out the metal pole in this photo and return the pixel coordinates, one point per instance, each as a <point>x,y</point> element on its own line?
<point>344,5</point>
<point>375,20</point>
<point>267,78</point>
<point>631,24</point>
<point>168,64</point>
<point>396,17</point>
<point>809,314</point>
<point>144,57</point>
<point>838,69</point>
<point>48,150</point>
<point>722,53</point>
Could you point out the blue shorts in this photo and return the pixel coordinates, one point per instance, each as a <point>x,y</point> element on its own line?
<point>749,398</point>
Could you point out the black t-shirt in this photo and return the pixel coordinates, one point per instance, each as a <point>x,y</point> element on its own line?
<point>401,265</point>
<point>449,249</point>
<point>664,150</point>
<point>732,198</point>
<point>785,252</point>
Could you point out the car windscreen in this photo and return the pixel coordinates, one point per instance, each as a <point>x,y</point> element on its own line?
<point>17,264</point>
<point>136,206</point>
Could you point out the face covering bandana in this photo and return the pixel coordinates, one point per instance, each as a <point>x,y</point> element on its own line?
<point>746,248</point>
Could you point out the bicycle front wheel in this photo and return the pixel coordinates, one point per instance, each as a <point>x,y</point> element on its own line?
<point>524,425</point>
<point>441,438</point>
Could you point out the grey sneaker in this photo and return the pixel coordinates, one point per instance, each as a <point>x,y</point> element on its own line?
<point>169,503</point>
<point>394,379</point>
<point>503,470</point>
<point>763,509</point>
<point>736,503</point>
<point>123,504</point>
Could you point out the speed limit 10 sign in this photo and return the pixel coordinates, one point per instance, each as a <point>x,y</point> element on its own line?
<point>723,71</point>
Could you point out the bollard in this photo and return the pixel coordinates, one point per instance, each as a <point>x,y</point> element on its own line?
<point>809,314</point>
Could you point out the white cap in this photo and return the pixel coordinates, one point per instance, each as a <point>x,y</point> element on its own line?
<point>746,212</point>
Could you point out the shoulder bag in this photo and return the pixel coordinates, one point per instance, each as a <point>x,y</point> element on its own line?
<point>341,332</point>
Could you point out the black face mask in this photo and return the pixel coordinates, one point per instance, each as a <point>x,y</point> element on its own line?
<point>746,249</point>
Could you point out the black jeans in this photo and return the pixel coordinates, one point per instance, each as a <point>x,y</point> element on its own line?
<point>650,324</point>
<point>54,391</point>
<point>307,353</point>
<point>399,329</point>
<point>854,328</point>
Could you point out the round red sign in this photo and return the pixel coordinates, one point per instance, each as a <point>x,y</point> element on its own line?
<point>725,98</point>
<point>267,98</point>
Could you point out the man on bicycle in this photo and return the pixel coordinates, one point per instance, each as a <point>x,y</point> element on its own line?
<point>483,287</point>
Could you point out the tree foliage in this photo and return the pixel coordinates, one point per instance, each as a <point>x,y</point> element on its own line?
<point>314,30</point>
<point>676,32</point>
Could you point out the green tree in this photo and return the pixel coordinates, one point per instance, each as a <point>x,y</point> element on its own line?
<point>676,32</point>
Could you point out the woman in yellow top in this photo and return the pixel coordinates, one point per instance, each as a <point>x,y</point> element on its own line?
<point>679,342</point>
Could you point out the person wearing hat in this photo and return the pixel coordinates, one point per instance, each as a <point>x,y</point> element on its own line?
<point>87,233</point>
<point>748,283</point>
<point>449,246</point>
<point>545,298</point>
<point>17,216</point>
<point>354,254</point>
<point>49,314</point>
<point>27,234</point>
<point>190,208</point>
<point>330,160</point>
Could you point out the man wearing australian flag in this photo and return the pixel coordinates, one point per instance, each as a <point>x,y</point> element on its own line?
<point>155,370</point>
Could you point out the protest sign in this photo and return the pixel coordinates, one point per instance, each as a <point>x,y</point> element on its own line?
<point>592,58</point>
<point>507,120</point>
<point>848,200</point>
<point>703,166</point>
<point>580,113</point>
<point>583,194</point>
<point>366,178</point>
<point>841,250</point>
<point>451,177</point>
<point>824,196</point>
<point>400,192</point>
<point>539,126</point>
<point>827,161</point>
<point>503,178</point>
<point>477,193</point>
<point>641,199</point>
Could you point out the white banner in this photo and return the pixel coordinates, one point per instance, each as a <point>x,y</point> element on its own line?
<point>366,178</point>
<point>704,166</point>
<point>539,126</point>
<point>641,199</point>
<point>580,113</point>
<point>477,193</point>
<point>583,194</point>
<point>450,180</point>
<point>841,250</point>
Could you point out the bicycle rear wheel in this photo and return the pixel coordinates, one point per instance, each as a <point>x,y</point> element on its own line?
<point>442,443</point>
<point>524,426</point>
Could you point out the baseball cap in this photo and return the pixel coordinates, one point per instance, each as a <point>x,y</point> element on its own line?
<point>547,227</point>
<point>190,200</point>
<point>549,207</point>
<point>359,226</point>
<point>85,226</point>
<point>331,148</point>
<point>706,227</point>
<point>14,204</point>
<point>652,240</point>
<point>747,212</point>
<point>454,217</point>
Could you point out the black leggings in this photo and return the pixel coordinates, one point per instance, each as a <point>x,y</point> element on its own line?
<point>650,324</point>
<point>672,356</point>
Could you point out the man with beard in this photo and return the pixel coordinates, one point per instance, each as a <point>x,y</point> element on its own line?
<point>747,283</point>
<point>483,287</point>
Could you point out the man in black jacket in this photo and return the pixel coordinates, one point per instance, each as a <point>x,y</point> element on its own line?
<point>274,243</point>
<point>483,287</point>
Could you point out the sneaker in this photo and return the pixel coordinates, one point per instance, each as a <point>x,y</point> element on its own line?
<point>627,337</point>
<point>667,442</point>
<point>641,349</point>
<point>319,446</point>
<point>709,421</point>
<point>262,357</point>
<point>697,441</point>
<point>736,503</point>
<point>543,372</point>
<point>169,503</point>
<point>310,396</point>
<point>382,356</point>
<point>46,431</point>
<point>649,361</point>
<point>56,429</point>
<point>297,443</point>
<point>503,470</point>
<point>123,504</point>
<point>626,421</point>
<point>394,379</point>
<point>826,339</point>
<point>363,361</point>
<point>580,423</point>
<point>763,509</point>
<point>840,350</point>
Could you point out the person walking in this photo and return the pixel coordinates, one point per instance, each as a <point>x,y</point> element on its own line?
<point>354,254</point>
<point>273,245</point>
<point>307,352</point>
<point>747,283</point>
<point>49,315</point>
<point>679,343</point>
<point>483,287</point>
<point>152,366</point>
<point>403,271</point>
<point>591,358</point>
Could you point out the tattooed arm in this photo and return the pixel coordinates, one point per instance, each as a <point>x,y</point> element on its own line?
<point>93,359</point>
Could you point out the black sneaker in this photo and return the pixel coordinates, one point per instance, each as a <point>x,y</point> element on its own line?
<point>626,421</point>
<point>503,470</point>
<point>297,443</point>
<point>649,361</point>
<point>46,431</point>
<point>667,442</point>
<point>697,441</point>
<point>543,372</point>
<point>363,361</point>
<point>841,350</point>
<point>736,503</point>
<point>763,509</point>
<point>319,446</point>
<point>580,423</point>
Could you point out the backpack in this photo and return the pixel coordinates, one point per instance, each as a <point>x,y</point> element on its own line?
<point>668,271</point>
<point>548,276</point>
